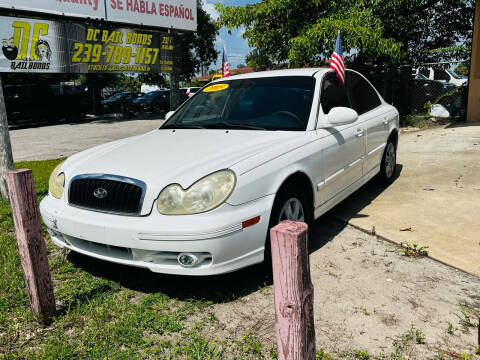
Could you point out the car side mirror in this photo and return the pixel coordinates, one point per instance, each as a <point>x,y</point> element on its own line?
<point>339,116</point>
<point>169,115</point>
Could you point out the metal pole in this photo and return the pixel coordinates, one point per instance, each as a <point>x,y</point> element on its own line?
<point>174,76</point>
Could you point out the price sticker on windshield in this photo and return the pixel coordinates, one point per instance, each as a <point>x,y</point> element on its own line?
<point>216,87</point>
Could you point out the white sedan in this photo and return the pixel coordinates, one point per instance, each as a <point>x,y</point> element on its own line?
<point>199,195</point>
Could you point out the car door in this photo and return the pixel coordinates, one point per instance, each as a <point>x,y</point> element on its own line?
<point>374,117</point>
<point>343,147</point>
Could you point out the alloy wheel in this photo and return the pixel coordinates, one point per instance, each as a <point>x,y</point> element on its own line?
<point>292,210</point>
<point>390,160</point>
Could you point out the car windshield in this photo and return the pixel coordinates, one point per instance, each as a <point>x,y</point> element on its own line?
<point>275,103</point>
<point>117,96</point>
<point>151,94</point>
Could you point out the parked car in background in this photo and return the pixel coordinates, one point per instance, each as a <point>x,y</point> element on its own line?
<point>121,103</point>
<point>440,74</point>
<point>153,102</point>
<point>156,102</point>
<point>35,103</point>
<point>199,195</point>
<point>189,91</point>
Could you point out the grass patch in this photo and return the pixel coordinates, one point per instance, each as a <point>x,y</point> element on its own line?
<point>404,345</point>
<point>414,250</point>
<point>468,314</point>
<point>322,355</point>
<point>361,355</point>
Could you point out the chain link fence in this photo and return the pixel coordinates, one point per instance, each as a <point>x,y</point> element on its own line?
<point>433,90</point>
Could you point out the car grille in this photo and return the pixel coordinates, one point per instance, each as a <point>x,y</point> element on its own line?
<point>123,197</point>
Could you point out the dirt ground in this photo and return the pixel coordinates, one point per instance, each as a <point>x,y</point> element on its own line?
<point>370,297</point>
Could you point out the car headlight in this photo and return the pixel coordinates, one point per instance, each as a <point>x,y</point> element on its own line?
<point>56,184</point>
<point>205,195</point>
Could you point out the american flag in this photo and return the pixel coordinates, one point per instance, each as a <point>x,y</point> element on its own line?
<point>337,63</point>
<point>225,66</point>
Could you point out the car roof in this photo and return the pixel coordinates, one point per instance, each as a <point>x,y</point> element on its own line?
<point>275,73</point>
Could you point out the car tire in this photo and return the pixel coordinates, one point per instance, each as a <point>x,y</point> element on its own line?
<point>389,163</point>
<point>291,193</point>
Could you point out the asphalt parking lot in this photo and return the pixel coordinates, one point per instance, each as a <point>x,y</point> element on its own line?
<point>57,141</point>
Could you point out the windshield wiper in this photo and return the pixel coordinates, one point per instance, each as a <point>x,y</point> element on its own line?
<point>229,125</point>
<point>176,127</point>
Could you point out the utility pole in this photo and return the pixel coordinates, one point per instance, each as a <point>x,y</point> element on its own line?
<point>6,157</point>
<point>174,76</point>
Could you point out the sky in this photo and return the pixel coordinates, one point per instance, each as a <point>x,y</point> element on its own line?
<point>236,46</point>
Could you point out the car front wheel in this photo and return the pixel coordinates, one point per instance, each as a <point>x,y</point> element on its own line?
<point>389,162</point>
<point>290,204</point>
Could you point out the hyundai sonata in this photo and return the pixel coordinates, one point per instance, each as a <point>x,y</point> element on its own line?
<point>199,195</point>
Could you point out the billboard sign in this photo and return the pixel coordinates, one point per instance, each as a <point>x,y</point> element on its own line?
<point>32,45</point>
<point>164,13</point>
<point>156,13</point>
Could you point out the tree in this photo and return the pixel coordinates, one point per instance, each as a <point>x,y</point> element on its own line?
<point>241,66</point>
<point>198,48</point>
<point>429,30</point>
<point>462,69</point>
<point>303,32</point>
<point>153,79</point>
<point>128,82</point>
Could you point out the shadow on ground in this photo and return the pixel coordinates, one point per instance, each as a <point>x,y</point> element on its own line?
<point>352,206</point>
<point>107,119</point>
<point>228,287</point>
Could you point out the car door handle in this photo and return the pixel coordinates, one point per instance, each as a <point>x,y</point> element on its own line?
<point>360,132</point>
<point>386,122</point>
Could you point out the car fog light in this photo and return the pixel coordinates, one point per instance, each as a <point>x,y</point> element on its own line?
<point>187,260</point>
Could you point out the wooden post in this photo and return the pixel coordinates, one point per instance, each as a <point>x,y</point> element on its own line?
<point>6,158</point>
<point>293,291</point>
<point>31,244</point>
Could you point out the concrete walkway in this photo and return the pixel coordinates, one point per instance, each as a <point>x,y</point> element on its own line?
<point>437,195</point>
<point>56,141</point>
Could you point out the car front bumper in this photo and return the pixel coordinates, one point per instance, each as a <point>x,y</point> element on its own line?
<point>155,241</point>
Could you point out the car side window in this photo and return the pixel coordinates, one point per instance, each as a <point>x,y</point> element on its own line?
<point>362,95</point>
<point>333,94</point>
<point>440,74</point>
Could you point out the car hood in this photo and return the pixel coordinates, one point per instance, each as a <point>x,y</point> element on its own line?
<point>163,157</point>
